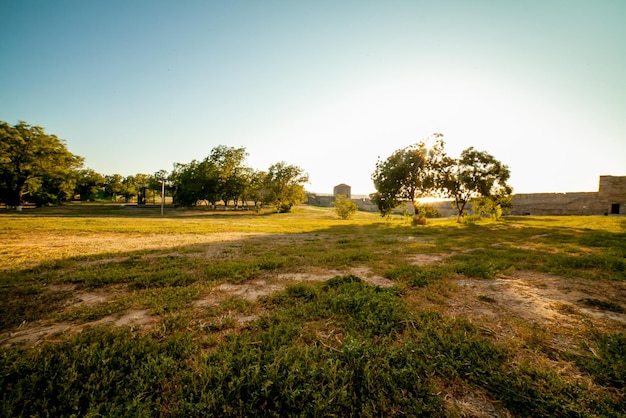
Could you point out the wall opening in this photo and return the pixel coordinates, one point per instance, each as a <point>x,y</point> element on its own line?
<point>614,208</point>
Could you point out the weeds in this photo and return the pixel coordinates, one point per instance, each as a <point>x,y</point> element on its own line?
<point>608,363</point>
<point>418,276</point>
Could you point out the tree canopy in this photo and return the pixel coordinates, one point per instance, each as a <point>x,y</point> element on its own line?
<point>476,176</point>
<point>223,176</point>
<point>36,164</point>
<point>425,170</point>
<point>284,185</point>
<point>220,176</point>
<point>408,174</point>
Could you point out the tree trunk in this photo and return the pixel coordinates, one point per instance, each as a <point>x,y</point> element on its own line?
<point>461,207</point>
<point>416,210</point>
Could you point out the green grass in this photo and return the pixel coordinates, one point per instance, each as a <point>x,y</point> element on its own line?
<point>337,347</point>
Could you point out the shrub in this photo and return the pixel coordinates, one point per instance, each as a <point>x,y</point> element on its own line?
<point>345,207</point>
<point>430,211</point>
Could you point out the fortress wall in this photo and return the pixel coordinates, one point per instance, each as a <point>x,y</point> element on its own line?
<point>365,204</point>
<point>584,203</point>
<point>612,189</point>
<point>609,199</point>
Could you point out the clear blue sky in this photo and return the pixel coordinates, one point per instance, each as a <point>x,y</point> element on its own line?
<point>136,86</point>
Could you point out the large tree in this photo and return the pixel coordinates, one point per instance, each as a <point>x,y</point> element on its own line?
<point>476,176</point>
<point>256,190</point>
<point>89,183</point>
<point>231,173</point>
<point>114,185</point>
<point>284,186</point>
<point>220,176</point>
<point>408,174</point>
<point>33,162</point>
<point>142,183</point>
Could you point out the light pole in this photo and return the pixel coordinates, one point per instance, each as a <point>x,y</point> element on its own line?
<point>162,195</point>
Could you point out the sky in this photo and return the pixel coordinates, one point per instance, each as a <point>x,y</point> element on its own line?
<point>330,86</point>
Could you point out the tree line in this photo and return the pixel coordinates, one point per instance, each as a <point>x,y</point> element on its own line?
<point>425,170</point>
<point>37,167</point>
<point>223,177</point>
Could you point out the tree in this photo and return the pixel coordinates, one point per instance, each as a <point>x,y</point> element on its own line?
<point>284,185</point>
<point>89,183</point>
<point>256,190</point>
<point>142,185</point>
<point>220,176</point>
<point>114,185</point>
<point>475,175</point>
<point>195,182</point>
<point>130,188</point>
<point>33,162</point>
<point>185,185</point>
<point>494,206</point>
<point>230,172</point>
<point>156,184</point>
<point>344,207</point>
<point>51,190</point>
<point>407,175</point>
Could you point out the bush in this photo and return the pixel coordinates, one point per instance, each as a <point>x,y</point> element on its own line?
<point>345,207</point>
<point>430,211</point>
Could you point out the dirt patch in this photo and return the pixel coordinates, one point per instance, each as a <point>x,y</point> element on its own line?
<point>34,334</point>
<point>251,290</point>
<point>254,289</point>
<point>410,239</point>
<point>424,259</point>
<point>136,319</point>
<point>369,277</point>
<point>543,299</point>
<point>364,273</point>
<point>88,299</point>
<point>31,335</point>
<point>60,287</point>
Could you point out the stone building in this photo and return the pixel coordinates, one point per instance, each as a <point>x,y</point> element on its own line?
<point>343,189</point>
<point>612,194</point>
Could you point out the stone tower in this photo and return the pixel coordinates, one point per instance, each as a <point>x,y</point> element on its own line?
<point>343,189</point>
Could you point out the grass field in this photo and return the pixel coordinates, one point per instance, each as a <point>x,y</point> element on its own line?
<point>109,310</point>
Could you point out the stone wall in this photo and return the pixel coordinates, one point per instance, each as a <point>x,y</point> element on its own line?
<point>609,199</point>
<point>557,204</point>
<point>365,204</point>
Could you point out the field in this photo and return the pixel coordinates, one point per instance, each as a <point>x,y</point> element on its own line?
<point>116,311</point>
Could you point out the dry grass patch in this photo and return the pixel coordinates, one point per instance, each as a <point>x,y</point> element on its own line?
<point>29,250</point>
